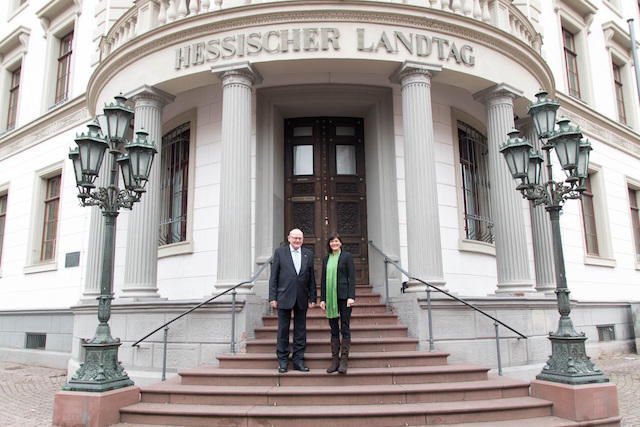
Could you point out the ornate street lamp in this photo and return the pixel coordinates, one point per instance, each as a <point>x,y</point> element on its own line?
<point>101,370</point>
<point>568,362</point>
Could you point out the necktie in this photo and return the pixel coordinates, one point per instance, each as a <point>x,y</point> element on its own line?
<point>296,260</point>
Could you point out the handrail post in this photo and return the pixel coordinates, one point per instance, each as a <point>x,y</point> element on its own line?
<point>432,347</point>
<point>498,348</point>
<point>386,283</point>
<point>233,322</point>
<point>164,354</point>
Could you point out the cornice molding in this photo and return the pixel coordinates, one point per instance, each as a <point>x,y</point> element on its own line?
<point>416,18</point>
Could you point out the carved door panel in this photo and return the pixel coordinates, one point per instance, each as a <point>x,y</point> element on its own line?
<point>325,186</point>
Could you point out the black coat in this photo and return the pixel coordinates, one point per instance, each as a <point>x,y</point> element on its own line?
<point>346,277</point>
<point>288,287</point>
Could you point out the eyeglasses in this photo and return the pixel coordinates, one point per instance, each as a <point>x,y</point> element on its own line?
<point>295,238</point>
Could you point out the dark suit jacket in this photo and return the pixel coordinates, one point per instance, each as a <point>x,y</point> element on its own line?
<point>286,286</point>
<point>346,277</point>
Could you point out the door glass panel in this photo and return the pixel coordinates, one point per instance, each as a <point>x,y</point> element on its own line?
<point>303,131</point>
<point>345,131</point>
<point>303,159</point>
<point>345,159</point>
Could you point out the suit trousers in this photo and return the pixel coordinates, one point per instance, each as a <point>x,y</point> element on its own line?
<point>344,313</point>
<point>299,335</point>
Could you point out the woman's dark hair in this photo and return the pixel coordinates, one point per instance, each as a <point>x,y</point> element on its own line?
<point>331,237</point>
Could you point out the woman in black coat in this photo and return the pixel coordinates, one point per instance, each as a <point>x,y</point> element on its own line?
<point>337,296</point>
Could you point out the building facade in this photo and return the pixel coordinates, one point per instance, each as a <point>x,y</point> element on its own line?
<point>379,120</point>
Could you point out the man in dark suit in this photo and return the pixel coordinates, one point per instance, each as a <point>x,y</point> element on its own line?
<point>292,287</point>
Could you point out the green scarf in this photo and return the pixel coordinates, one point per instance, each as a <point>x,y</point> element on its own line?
<point>332,286</point>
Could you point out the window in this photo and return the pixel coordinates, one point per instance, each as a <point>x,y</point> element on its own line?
<point>64,68</point>
<point>3,215</point>
<point>598,249</point>
<point>618,44</point>
<point>174,185</point>
<point>42,245</point>
<point>589,219</point>
<point>635,221</point>
<point>14,92</point>
<point>51,205</point>
<point>617,78</point>
<point>474,181</point>
<point>571,63</point>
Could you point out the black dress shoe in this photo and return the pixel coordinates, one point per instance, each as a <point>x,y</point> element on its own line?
<point>282,369</point>
<point>301,368</point>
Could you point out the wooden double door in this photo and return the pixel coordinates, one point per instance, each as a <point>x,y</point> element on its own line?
<point>325,186</point>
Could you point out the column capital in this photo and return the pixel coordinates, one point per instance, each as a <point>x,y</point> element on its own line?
<point>497,92</point>
<point>414,68</point>
<point>146,92</point>
<point>239,72</point>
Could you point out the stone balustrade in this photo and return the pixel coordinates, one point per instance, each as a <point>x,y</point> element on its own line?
<point>147,15</point>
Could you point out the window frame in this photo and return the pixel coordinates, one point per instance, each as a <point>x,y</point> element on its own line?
<point>63,76</point>
<point>465,244</point>
<point>13,49</point>
<point>59,18</point>
<point>186,246</point>
<point>575,17</point>
<point>50,223</point>
<point>634,220</point>
<point>14,96</point>
<point>4,194</point>
<point>618,45</point>
<point>34,262</point>
<point>571,58</point>
<point>604,258</point>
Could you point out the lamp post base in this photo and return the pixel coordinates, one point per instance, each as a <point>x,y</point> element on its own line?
<point>101,370</point>
<point>569,363</point>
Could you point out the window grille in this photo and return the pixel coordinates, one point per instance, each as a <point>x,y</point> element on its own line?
<point>617,78</point>
<point>474,177</point>
<point>174,185</point>
<point>14,92</point>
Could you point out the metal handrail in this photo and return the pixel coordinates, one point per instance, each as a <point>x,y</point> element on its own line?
<point>496,322</point>
<point>233,318</point>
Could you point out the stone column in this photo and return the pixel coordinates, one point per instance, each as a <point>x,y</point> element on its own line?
<point>514,277</point>
<point>540,227</point>
<point>141,268</point>
<point>234,229</point>
<point>423,224</point>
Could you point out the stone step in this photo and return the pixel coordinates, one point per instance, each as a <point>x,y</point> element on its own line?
<point>323,345</point>
<point>323,331</point>
<point>318,318</point>
<point>452,372</point>
<point>413,414</point>
<point>376,359</point>
<point>494,387</point>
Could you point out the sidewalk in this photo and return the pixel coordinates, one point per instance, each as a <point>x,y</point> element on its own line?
<point>26,392</point>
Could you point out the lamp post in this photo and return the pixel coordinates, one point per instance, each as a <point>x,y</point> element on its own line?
<point>568,362</point>
<point>101,370</point>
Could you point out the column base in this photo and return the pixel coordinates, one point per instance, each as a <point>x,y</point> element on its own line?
<point>141,293</point>
<point>86,409</point>
<point>413,286</point>
<point>515,289</point>
<point>245,289</point>
<point>588,402</point>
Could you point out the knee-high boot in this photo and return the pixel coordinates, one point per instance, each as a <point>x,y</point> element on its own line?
<point>344,356</point>
<point>335,356</point>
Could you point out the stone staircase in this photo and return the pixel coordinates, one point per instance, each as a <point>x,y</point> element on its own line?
<point>389,383</point>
